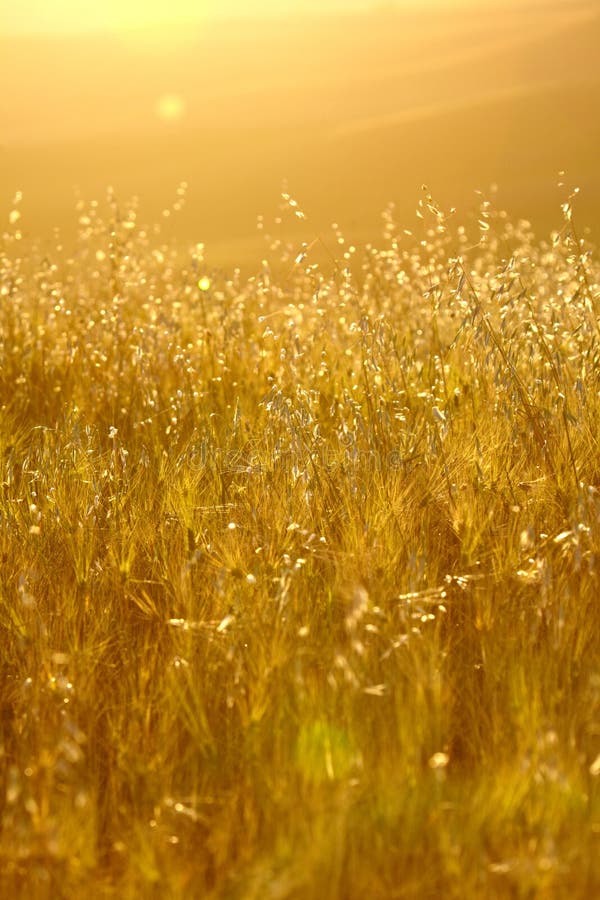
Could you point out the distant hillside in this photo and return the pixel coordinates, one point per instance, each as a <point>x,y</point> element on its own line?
<point>353,111</point>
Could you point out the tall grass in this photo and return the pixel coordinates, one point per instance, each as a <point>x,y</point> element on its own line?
<point>300,571</point>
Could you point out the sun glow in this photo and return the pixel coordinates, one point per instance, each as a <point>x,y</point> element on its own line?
<point>73,17</point>
<point>54,17</point>
<point>170,107</point>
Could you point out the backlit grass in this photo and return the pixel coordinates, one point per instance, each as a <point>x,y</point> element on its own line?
<point>300,571</point>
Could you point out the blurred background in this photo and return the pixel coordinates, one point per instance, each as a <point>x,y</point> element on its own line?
<point>346,105</point>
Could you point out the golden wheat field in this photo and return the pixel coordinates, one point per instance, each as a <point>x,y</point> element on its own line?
<point>300,524</point>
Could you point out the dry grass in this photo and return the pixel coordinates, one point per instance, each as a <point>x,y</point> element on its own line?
<point>300,572</point>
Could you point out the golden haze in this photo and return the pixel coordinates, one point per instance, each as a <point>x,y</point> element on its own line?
<point>350,111</point>
<point>300,544</point>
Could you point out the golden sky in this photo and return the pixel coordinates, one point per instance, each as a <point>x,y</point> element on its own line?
<point>348,112</point>
<point>58,16</point>
<point>68,16</point>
